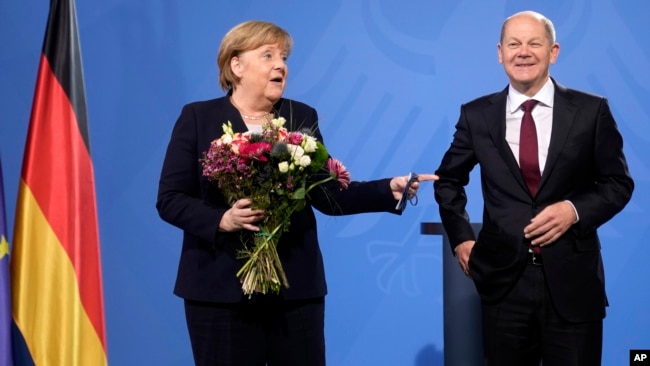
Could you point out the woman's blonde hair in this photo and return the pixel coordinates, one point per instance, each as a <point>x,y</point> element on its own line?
<point>245,37</point>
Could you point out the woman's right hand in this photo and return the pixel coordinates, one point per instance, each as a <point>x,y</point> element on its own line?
<point>241,217</point>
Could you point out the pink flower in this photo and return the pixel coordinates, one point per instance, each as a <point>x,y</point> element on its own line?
<point>238,140</point>
<point>256,150</point>
<point>282,134</point>
<point>337,168</point>
<point>294,138</point>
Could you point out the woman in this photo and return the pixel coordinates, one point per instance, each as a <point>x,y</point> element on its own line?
<point>226,327</point>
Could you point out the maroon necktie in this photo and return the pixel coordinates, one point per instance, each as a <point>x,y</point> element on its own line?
<point>528,161</point>
<point>528,158</point>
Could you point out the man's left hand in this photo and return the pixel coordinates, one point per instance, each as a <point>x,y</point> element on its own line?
<point>550,223</point>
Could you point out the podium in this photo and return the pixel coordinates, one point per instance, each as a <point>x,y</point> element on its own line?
<point>461,306</point>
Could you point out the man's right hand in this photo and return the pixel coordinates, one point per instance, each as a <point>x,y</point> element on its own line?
<point>462,251</point>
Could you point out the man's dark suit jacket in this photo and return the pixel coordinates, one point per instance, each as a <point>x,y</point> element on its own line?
<point>585,165</point>
<point>187,200</point>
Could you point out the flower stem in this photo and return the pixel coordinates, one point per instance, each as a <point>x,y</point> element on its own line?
<point>313,185</point>
<point>263,269</point>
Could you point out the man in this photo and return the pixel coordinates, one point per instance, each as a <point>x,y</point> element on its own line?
<point>536,263</point>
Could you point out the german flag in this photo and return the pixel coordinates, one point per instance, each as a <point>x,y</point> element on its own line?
<point>56,283</point>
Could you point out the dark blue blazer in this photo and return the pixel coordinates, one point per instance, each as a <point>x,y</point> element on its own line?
<point>187,200</point>
<point>585,165</point>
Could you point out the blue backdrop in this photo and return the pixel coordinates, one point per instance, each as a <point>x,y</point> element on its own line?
<point>387,79</point>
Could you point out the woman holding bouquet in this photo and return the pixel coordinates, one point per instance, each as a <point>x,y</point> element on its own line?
<point>229,323</point>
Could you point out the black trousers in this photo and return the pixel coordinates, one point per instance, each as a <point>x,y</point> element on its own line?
<point>524,329</point>
<point>261,333</point>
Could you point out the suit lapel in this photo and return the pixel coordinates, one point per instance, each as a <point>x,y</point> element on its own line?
<point>564,113</point>
<point>495,116</point>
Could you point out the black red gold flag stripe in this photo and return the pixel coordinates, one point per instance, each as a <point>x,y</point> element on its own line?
<point>56,281</point>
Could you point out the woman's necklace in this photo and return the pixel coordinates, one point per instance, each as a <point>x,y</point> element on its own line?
<point>245,116</point>
<point>256,118</point>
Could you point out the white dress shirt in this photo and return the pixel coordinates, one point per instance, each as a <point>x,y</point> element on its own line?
<point>542,114</point>
<point>543,117</point>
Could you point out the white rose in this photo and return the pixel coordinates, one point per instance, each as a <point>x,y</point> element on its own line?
<point>296,152</point>
<point>283,167</point>
<point>305,160</point>
<point>309,144</point>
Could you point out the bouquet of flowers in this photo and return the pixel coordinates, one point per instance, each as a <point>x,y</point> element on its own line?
<point>272,168</point>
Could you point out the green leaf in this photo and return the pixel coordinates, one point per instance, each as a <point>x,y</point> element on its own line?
<point>299,194</point>
<point>320,156</point>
